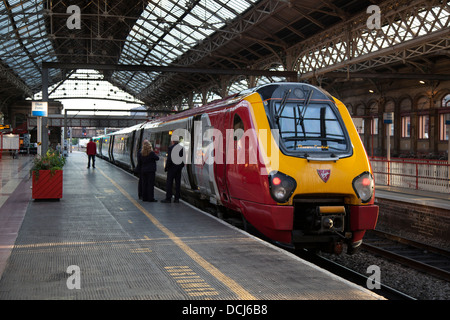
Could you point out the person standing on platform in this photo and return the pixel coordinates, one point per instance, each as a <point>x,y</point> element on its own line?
<point>91,151</point>
<point>146,168</point>
<point>174,172</point>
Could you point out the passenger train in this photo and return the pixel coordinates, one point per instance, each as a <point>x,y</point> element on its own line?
<point>285,157</point>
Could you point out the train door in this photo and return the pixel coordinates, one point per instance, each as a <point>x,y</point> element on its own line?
<point>220,166</point>
<point>190,163</point>
<point>203,158</point>
<point>110,149</point>
<point>242,175</point>
<point>136,146</point>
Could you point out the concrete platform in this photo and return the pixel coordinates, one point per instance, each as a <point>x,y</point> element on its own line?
<point>15,194</point>
<point>100,242</point>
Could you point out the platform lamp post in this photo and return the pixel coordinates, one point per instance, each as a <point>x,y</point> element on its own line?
<point>388,119</point>
<point>41,114</point>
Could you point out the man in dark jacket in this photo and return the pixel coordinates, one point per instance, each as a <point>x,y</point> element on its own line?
<point>174,171</point>
<point>91,151</point>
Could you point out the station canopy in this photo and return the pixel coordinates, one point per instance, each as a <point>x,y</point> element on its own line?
<point>128,32</point>
<point>241,35</point>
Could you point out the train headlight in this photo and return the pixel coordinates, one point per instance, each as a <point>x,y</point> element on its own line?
<point>363,186</point>
<point>281,186</point>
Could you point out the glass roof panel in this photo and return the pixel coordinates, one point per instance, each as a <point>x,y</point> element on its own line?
<point>168,28</point>
<point>192,21</point>
<point>23,41</point>
<point>238,86</point>
<point>238,5</point>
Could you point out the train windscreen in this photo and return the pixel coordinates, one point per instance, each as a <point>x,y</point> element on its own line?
<point>313,128</point>
<point>308,122</point>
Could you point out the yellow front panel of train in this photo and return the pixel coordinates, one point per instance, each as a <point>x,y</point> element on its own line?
<point>314,177</point>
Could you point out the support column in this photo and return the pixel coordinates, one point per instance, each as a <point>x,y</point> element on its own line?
<point>204,96</point>
<point>191,100</point>
<point>290,65</point>
<point>65,144</point>
<point>224,81</point>
<point>251,80</point>
<point>44,127</point>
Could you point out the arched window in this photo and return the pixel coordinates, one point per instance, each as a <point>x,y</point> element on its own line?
<point>358,119</point>
<point>446,101</point>
<point>424,126</point>
<point>373,110</point>
<point>423,104</point>
<point>443,133</point>
<point>405,113</point>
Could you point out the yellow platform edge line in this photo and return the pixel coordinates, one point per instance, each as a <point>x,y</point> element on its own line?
<point>216,273</point>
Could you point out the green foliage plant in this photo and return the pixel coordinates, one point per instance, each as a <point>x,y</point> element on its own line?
<point>52,161</point>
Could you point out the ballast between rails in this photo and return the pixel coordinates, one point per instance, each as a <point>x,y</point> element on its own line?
<point>416,255</point>
<point>285,157</point>
<point>352,276</point>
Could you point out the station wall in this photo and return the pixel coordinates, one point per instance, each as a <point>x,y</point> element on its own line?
<point>419,107</point>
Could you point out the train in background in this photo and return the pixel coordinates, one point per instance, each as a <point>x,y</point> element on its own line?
<point>286,157</point>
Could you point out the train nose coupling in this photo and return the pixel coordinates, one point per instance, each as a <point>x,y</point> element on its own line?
<point>327,223</point>
<point>331,218</point>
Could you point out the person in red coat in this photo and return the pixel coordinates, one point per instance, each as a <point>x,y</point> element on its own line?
<point>91,151</point>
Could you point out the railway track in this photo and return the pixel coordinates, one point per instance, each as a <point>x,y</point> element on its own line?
<point>384,290</point>
<point>416,255</point>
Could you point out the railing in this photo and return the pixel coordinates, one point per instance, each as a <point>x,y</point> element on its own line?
<point>419,174</point>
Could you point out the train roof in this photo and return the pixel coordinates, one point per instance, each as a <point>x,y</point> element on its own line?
<point>217,104</point>
<point>266,91</point>
<point>126,130</point>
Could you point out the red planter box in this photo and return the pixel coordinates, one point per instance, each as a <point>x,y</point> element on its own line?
<point>48,186</point>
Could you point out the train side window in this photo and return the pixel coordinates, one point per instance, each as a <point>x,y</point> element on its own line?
<point>165,143</point>
<point>157,144</point>
<point>238,124</point>
<point>146,136</point>
<point>152,139</point>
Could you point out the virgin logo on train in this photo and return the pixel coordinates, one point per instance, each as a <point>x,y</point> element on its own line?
<point>324,174</point>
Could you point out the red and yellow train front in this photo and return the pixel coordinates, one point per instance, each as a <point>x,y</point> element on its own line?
<point>311,184</point>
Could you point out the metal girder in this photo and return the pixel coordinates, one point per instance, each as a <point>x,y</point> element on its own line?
<point>18,36</point>
<point>15,81</point>
<point>91,121</point>
<point>103,30</point>
<point>365,75</point>
<point>267,32</point>
<point>262,11</point>
<point>115,110</point>
<point>409,30</point>
<point>147,68</point>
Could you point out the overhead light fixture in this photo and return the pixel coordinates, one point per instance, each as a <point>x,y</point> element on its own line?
<point>422,82</point>
<point>371,91</point>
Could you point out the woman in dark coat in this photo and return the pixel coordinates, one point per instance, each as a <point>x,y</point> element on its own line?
<point>146,168</point>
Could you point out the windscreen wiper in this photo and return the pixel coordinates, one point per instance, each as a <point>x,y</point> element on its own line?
<point>307,101</point>
<point>280,111</point>
<point>282,104</point>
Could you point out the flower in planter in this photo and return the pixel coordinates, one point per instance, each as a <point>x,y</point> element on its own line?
<point>52,161</point>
